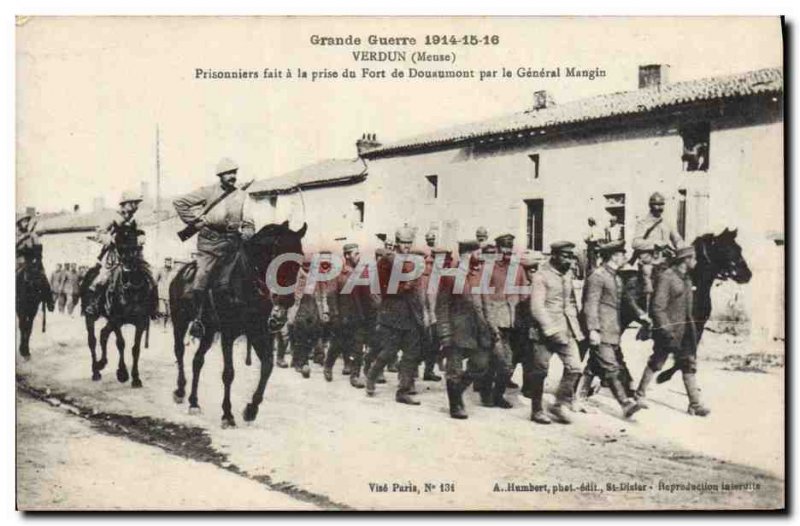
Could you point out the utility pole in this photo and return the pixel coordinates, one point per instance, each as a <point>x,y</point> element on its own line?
<point>158,194</point>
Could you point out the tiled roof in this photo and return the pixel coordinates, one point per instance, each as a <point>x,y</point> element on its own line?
<point>769,80</point>
<point>330,171</point>
<point>90,221</point>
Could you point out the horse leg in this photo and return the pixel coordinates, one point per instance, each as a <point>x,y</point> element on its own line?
<point>264,348</point>
<point>137,342</point>
<point>227,379</point>
<point>197,366</point>
<point>25,329</point>
<point>122,369</point>
<point>92,341</point>
<point>105,332</point>
<point>178,331</point>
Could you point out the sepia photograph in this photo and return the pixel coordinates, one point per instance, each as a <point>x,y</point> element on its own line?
<point>400,263</point>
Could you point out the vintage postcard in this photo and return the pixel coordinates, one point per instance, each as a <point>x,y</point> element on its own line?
<point>354,263</point>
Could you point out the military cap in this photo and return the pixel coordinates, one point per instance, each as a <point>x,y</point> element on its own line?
<point>657,198</point>
<point>612,247</point>
<point>349,247</point>
<point>404,235</point>
<point>431,234</point>
<point>530,258</point>
<point>643,245</point>
<point>562,245</point>
<point>683,253</point>
<point>504,240</point>
<point>130,197</point>
<point>465,247</point>
<point>482,232</point>
<point>226,166</point>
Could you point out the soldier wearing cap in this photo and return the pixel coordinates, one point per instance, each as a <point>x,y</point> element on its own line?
<point>353,315</point>
<point>430,339</point>
<point>400,321</point>
<point>221,229</point>
<point>556,330</point>
<point>464,333</point>
<point>29,254</point>
<point>119,236</point>
<point>523,322</point>
<point>602,311</point>
<point>482,236</point>
<point>500,309</point>
<point>430,238</point>
<point>163,278</point>
<point>674,331</point>
<point>655,228</point>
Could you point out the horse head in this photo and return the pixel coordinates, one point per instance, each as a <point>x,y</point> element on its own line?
<point>269,243</point>
<point>723,255</point>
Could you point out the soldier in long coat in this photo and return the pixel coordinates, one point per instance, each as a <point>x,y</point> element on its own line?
<point>222,230</point>
<point>400,321</point>
<point>674,331</point>
<point>353,311</point>
<point>312,313</point>
<point>499,305</point>
<point>556,331</point>
<point>463,330</point>
<point>602,310</point>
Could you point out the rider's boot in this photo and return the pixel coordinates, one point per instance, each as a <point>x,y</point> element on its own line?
<point>197,329</point>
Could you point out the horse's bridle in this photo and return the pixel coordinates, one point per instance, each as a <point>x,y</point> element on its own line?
<point>723,273</point>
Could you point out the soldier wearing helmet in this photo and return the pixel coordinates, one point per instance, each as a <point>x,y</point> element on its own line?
<point>121,238</point>
<point>222,228</point>
<point>655,228</point>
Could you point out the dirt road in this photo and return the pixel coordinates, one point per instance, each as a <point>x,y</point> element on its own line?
<point>331,446</point>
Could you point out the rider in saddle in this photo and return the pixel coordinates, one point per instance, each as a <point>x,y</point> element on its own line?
<point>221,230</point>
<point>122,240</point>
<point>29,255</point>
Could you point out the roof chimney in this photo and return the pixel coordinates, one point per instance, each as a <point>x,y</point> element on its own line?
<point>542,100</point>
<point>653,75</point>
<point>367,143</point>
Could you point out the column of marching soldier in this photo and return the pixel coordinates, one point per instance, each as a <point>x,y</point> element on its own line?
<point>489,328</point>
<point>496,331</point>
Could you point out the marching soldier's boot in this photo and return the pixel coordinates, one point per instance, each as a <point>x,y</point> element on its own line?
<point>429,375</point>
<point>696,407</point>
<point>564,395</point>
<point>641,391</point>
<point>582,392</point>
<point>392,365</point>
<point>371,377</point>
<point>456,404</point>
<point>537,391</point>
<point>629,406</point>
<point>527,385</point>
<point>403,396</point>
<point>497,393</point>
<point>328,374</point>
<point>486,391</point>
<point>355,377</point>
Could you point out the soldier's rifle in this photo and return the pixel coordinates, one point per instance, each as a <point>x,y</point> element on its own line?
<point>191,229</point>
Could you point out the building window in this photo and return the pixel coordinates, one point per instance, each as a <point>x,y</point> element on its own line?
<point>535,160</point>
<point>433,186</point>
<point>358,208</point>
<point>615,206</point>
<point>535,224</point>
<point>696,149</point>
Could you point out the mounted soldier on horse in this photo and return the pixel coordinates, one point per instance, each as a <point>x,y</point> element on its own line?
<point>225,290</point>
<point>31,280</point>
<point>120,288</point>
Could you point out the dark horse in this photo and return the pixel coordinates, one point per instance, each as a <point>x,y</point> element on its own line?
<point>240,303</point>
<point>129,298</point>
<point>718,258</point>
<point>32,290</point>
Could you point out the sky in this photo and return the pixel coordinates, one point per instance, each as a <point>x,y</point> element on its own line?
<point>92,91</point>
